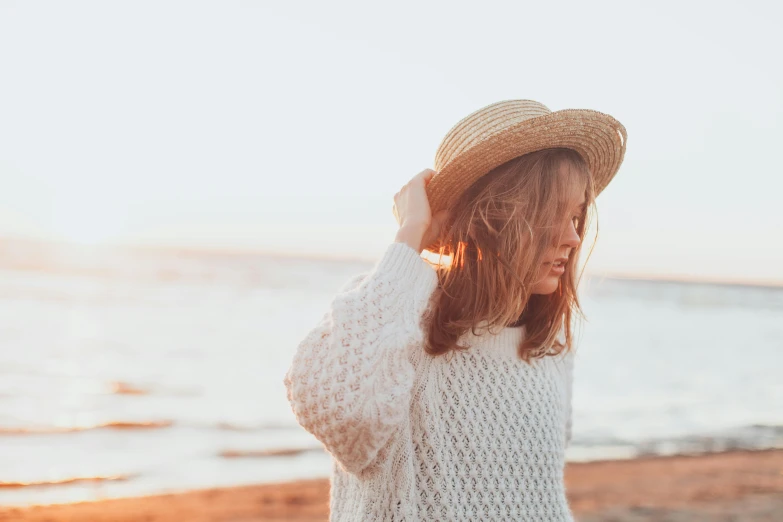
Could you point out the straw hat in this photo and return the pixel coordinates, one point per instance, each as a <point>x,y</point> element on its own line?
<point>504,130</point>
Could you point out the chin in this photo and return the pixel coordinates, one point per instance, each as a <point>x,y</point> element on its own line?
<point>547,287</point>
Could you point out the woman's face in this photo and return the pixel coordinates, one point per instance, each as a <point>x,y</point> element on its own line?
<point>549,273</point>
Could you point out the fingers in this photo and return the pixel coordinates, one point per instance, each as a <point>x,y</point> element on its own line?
<point>426,175</point>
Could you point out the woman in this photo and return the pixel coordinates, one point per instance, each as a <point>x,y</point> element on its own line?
<point>443,390</point>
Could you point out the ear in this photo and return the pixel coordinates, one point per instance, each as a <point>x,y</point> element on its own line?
<point>441,218</point>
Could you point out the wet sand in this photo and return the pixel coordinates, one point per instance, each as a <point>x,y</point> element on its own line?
<point>734,486</point>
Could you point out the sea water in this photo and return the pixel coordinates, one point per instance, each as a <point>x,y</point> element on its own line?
<point>135,372</point>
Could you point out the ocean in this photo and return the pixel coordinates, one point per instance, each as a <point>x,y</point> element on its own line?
<point>131,372</point>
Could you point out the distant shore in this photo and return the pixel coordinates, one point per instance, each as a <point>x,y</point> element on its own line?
<point>741,486</point>
<point>40,254</point>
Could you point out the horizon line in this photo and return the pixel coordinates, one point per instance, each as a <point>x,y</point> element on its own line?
<point>359,258</point>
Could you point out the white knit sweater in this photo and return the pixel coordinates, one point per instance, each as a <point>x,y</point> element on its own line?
<point>473,435</point>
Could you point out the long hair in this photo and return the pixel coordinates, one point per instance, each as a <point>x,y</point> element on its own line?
<point>499,233</point>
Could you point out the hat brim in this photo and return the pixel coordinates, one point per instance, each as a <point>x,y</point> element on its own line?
<point>599,138</point>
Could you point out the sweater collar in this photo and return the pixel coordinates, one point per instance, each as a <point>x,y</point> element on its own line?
<point>504,340</point>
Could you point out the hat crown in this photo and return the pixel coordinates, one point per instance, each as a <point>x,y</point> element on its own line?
<point>502,131</point>
<point>484,123</point>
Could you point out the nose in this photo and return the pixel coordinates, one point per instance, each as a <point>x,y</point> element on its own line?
<point>570,238</point>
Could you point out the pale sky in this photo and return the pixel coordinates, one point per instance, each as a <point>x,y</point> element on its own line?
<point>290,126</point>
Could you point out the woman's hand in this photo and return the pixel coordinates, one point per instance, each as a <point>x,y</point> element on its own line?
<point>411,208</point>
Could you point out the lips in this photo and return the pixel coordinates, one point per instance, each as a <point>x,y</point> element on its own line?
<point>558,269</point>
<point>557,266</point>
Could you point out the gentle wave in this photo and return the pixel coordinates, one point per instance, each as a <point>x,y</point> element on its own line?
<point>62,482</point>
<point>279,452</point>
<point>130,425</point>
<point>114,425</point>
<point>124,388</point>
<point>755,437</point>
<point>228,426</point>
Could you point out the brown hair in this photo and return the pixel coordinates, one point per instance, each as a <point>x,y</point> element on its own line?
<point>500,231</point>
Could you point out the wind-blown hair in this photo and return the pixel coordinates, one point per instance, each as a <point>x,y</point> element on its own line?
<point>499,233</point>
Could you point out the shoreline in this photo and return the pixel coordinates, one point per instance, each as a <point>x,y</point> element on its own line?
<point>738,485</point>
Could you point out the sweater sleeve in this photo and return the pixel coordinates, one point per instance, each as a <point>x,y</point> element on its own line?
<point>350,380</point>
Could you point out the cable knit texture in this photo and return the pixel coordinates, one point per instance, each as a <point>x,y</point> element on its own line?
<point>472,435</point>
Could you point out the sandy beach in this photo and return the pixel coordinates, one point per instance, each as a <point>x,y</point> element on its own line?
<point>735,486</point>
